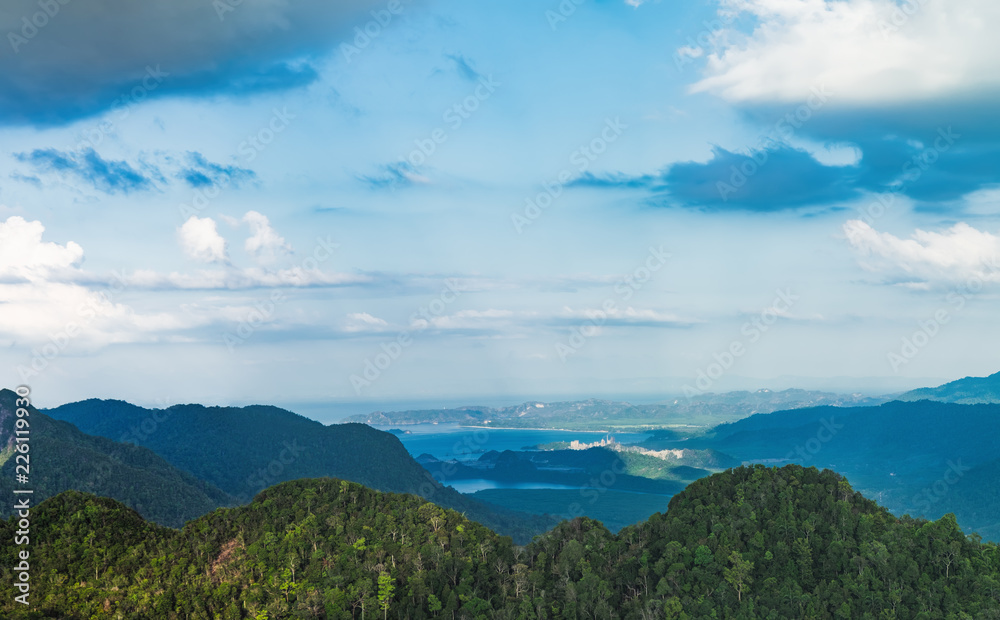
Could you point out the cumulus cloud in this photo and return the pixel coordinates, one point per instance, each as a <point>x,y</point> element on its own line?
<point>25,257</point>
<point>864,51</point>
<point>43,303</point>
<point>264,243</point>
<point>954,256</point>
<point>200,239</point>
<point>82,62</point>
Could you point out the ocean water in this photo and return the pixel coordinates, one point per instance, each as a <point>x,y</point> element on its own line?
<point>452,442</point>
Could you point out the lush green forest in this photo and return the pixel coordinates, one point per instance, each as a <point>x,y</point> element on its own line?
<point>752,542</point>
<point>923,458</point>
<point>243,450</point>
<point>65,458</point>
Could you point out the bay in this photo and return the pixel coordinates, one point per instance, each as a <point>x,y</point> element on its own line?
<point>462,443</point>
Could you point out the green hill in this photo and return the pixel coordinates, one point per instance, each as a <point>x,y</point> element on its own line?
<point>63,458</point>
<point>244,450</point>
<point>746,543</point>
<point>915,456</point>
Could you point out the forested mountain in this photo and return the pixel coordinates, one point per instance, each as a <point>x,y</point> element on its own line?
<point>752,542</point>
<point>63,458</point>
<point>919,457</point>
<point>967,391</point>
<point>243,450</point>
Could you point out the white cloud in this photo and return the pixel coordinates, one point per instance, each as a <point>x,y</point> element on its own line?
<point>364,322</point>
<point>23,254</point>
<point>956,256</point>
<point>44,304</point>
<point>235,279</point>
<point>862,51</point>
<point>200,240</point>
<point>624,316</point>
<point>264,243</point>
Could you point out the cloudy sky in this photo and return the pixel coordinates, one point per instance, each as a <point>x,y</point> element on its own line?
<point>367,201</point>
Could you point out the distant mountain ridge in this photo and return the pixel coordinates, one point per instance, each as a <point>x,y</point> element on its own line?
<point>901,450</point>
<point>706,409</point>
<point>63,458</point>
<point>966,391</point>
<point>244,450</point>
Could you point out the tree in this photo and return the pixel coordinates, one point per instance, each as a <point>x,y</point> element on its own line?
<point>739,575</point>
<point>385,591</point>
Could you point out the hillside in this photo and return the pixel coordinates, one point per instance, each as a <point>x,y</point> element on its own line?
<point>64,458</point>
<point>746,543</point>
<point>967,391</point>
<point>244,450</point>
<point>900,451</point>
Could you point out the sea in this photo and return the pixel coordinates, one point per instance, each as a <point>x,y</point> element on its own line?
<point>463,443</point>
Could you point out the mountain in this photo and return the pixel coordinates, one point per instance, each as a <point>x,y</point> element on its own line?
<point>918,457</point>
<point>751,542</point>
<point>967,391</point>
<point>244,450</point>
<point>61,458</point>
<point>700,410</point>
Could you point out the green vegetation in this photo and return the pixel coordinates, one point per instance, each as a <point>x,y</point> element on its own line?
<point>924,458</point>
<point>63,458</point>
<point>243,450</point>
<point>747,543</point>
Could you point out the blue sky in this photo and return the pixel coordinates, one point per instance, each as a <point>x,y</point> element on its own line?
<point>374,201</point>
